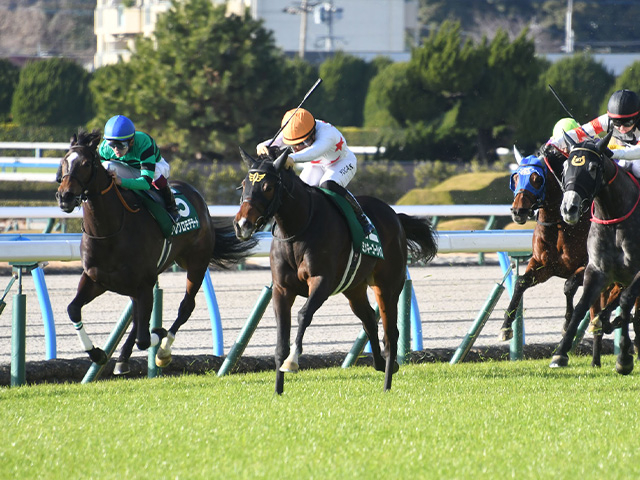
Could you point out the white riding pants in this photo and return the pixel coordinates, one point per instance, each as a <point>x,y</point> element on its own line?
<point>341,172</point>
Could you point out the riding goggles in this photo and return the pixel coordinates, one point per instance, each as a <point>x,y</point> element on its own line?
<point>623,122</point>
<point>118,145</point>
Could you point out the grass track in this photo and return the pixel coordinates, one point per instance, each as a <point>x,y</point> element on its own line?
<point>503,419</point>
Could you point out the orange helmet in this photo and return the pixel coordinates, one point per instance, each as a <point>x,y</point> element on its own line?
<point>299,128</point>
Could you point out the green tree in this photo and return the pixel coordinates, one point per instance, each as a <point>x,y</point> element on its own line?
<point>207,82</point>
<point>345,82</point>
<point>9,74</point>
<point>52,92</point>
<point>581,83</point>
<point>629,79</point>
<point>110,86</point>
<point>378,103</point>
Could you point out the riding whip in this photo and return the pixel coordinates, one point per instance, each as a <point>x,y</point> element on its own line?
<point>303,100</point>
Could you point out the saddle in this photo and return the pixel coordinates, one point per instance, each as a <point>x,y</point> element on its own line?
<point>189,220</point>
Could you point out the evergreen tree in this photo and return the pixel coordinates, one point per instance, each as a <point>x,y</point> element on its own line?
<point>52,92</point>
<point>9,74</point>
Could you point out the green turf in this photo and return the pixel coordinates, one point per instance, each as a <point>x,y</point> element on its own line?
<point>489,420</point>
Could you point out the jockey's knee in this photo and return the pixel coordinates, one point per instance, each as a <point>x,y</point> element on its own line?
<point>160,182</point>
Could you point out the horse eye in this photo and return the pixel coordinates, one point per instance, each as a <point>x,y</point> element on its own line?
<point>536,180</point>
<point>267,187</point>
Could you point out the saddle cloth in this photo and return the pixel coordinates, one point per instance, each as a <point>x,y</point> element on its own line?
<point>368,246</point>
<point>189,220</point>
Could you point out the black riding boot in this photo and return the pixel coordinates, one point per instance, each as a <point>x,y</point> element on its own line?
<point>170,203</point>
<point>367,227</point>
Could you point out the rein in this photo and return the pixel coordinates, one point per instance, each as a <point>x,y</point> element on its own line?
<point>120,197</point>
<point>600,221</point>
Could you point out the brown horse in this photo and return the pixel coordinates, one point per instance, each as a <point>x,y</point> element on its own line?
<point>558,249</point>
<point>123,249</point>
<point>311,251</point>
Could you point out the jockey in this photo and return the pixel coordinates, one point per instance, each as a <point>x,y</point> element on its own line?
<point>623,113</point>
<point>328,161</point>
<point>133,159</point>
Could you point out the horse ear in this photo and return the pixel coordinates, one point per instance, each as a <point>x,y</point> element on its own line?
<point>517,154</point>
<point>279,162</point>
<point>568,139</point>
<point>246,158</point>
<point>603,144</point>
<point>74,140</point>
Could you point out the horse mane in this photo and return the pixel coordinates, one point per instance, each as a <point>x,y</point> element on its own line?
<point>84,137</point>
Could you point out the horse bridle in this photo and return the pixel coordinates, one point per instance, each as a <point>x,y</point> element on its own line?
<point>257,175</point>
<point>587,198</point>
<point>94,170</point>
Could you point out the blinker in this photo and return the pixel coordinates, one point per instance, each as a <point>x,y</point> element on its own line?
<point>527,167</point>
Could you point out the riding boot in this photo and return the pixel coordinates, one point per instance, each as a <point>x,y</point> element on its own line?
<point>367,227</point>
<point>170,203</point>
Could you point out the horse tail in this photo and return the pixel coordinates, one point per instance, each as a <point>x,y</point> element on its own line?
<point>228,250</point>
<point>421,237</point>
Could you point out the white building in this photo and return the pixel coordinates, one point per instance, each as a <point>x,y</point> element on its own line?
<point>365,28</point>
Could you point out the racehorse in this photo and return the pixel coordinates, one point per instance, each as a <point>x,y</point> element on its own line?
<point>123,249</point>
<point>558,249</point>
<point>310,252</point>
<point>592,178</point>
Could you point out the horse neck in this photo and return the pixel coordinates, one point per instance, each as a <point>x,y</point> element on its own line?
<point>295,208</point>
<point>549,212</point>
<point>620,194</point>
<point>102,211</point>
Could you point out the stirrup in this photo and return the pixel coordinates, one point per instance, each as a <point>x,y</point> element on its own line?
<point>174,214</point>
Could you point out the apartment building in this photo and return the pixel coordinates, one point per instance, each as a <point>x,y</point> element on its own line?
<point>365,28</point>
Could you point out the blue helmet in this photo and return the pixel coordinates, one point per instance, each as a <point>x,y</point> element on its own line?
<point>119,128</point>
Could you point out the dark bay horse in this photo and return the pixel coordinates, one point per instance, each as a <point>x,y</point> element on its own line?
<point>123,249</point>
<point>311,250</point>
<point>592,179</point>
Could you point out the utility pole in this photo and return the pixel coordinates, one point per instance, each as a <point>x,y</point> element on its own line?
<point>303,10</point>
<point>568,33</point>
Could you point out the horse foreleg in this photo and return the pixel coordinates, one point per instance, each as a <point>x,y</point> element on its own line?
<point>636,327</point>
<point>195,276</point>
<point>87,291</point>
<point>318,294</point>
<point>362,309</point>
<point>624,362</point>
<point>282,302</point>
<point>530,278</point>
<point>571,286</point>
<point>142,307</point>
<point>593,283</point>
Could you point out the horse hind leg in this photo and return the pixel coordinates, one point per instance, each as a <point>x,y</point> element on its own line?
<point>362,309</point>
<point>389,315</point>
<point>122,366</point>
<point>195,276</point>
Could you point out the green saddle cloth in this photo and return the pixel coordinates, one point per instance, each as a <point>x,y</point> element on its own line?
<point>188,216</point>
<point>369,245</point>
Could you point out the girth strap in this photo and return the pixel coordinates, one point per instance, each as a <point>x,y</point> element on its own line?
<point>349,272</point>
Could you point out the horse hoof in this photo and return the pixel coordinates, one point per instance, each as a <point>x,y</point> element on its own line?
<point>98,356</point>
<point>624,369</point>
<point>121,368</point>
<point>506,334</point>
<point>289,367</point>
<point>559,361</point>
<point>396,367</point>
<point>162,362</point>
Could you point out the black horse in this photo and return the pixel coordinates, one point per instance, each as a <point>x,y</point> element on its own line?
<point>591,179</point>
<point>311,251</point>
<point>123,249</point>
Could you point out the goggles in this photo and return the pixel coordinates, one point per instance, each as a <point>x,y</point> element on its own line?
<point>623,122</point>
<point>118,145</point>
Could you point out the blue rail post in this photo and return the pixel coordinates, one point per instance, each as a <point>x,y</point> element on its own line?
<point>214,315</point>
<point>47,312</point>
